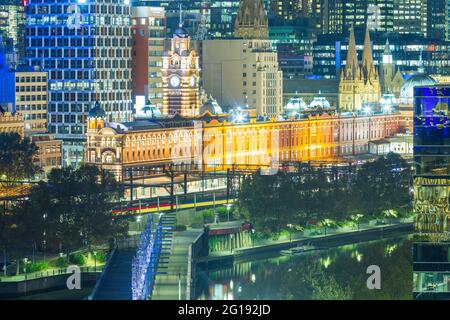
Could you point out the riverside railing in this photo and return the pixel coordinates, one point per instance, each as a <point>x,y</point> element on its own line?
<point>102,276</point>
<point>48,274</point>
<point>145,262</point>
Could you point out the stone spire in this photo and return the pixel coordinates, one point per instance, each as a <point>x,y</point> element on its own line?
<point>367,59</point>
<point>387,48</point>
<point>387,58</point>
<point>251,21</point>
<point>352,56</point>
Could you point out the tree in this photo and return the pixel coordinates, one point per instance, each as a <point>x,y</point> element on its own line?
<point>383,185</point>
<point>30,216</point>
<point>269,202</point>
<point>320,194</point>
<point>16,158</point>
<point>73,209</point>
<point>16,164</point>
<point>98,194</point>
<point>327,288</point>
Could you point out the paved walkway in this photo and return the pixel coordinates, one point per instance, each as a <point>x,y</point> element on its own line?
<point>116,282</point>
<point>175,267</point>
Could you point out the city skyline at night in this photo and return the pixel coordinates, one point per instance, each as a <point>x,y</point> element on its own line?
<point>224,150</point>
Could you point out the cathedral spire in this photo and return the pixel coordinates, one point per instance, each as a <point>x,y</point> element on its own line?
<point>387,48</point>
<point>352,55</point>
<point>367,59</point>
<point>251,20</point>
<point>387,54</point>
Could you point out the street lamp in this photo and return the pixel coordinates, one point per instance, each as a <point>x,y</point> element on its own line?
<point>290,232</point>
<point>44,234</point>
<point>179,286</point>
<point>95,261</point>
<point>231,242</point>
<point>25,261</point>
<point>61,255</point>
<point>228,210</point>
<point>33,245</point>
<point>327,223</point>
<point>253,237</point>
<point>4,262</point>
<point>356,218</point>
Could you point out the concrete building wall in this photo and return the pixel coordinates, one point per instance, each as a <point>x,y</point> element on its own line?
<point>243,73</point>
<point>149,32</point>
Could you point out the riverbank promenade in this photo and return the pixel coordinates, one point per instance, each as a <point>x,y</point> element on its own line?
<point>327,238</point>
<point>172,276</point>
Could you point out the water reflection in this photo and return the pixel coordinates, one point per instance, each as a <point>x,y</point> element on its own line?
<point>334,274</point>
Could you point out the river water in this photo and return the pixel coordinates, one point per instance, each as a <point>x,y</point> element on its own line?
<point>335,274</point>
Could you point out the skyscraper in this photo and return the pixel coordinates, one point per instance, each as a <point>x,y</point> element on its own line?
<point>149,33</point>
<point>12,25</point>
<point>410,16</point>
<point>292,9</point>
<point>438,19</point>
<point>339,16</point>
<point>244,72</point>
<point>216,17</point>
<point>86,49</point>
<point>431,249</point>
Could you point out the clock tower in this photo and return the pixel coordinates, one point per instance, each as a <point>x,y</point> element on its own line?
<point>180,77</point>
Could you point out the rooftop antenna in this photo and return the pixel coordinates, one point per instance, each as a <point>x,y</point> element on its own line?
<point>421,63</point>
<point>181,16</point>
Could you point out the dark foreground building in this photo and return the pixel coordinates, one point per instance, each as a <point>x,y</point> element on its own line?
<point>431,250</point>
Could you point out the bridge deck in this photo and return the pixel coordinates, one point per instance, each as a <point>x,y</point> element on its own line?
<point>116,284</point>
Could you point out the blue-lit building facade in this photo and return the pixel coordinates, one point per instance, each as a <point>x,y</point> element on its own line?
<point>431,249</point>
<point>88,59</point>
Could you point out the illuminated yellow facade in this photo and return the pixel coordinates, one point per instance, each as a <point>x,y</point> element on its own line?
<point>215,145</point>
<point>10,123</point>
<point>180,77</point>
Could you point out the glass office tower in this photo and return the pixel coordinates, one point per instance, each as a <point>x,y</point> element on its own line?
<point>202,18</point>
<point>431,250</point>
<point>88,59</point>
<point>12,25</point>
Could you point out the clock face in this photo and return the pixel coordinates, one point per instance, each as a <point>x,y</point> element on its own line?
<point>193,81</point>
<point>175,81</point>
